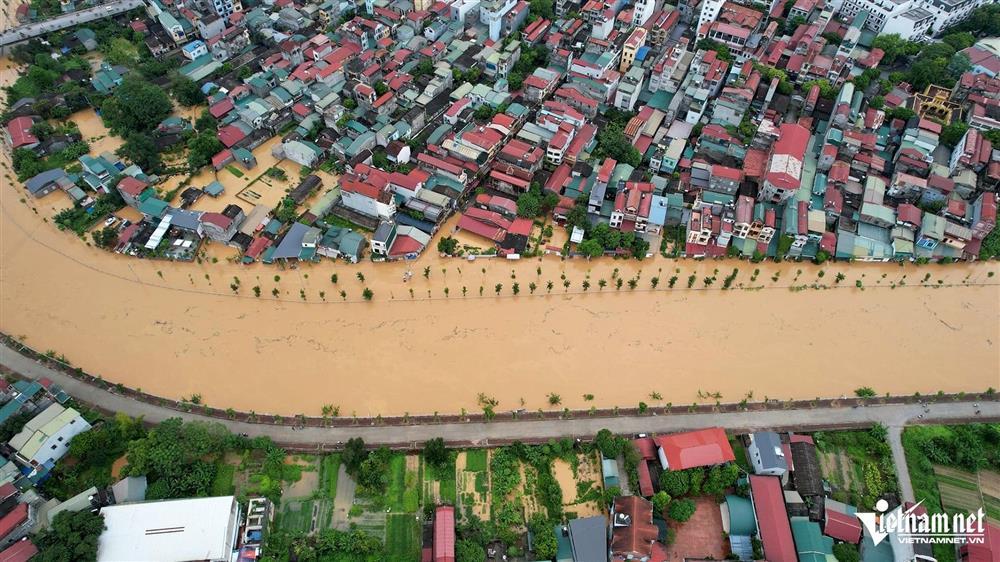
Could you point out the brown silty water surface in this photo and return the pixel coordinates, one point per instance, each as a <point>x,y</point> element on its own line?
<point>177,329</point>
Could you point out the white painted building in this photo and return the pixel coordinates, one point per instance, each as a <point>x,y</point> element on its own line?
<point>170,531</point>
<point>491,13</point>
<point>46,437</point>
<point>642,10</point>
<point>915,20</point>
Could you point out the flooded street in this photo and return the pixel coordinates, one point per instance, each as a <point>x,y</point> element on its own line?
<point>177,329</point>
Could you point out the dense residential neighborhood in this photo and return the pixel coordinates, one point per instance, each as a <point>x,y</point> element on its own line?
<point>292,132</point>
<point>802,130</point>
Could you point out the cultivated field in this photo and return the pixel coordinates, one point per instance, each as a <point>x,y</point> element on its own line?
<point>966,491</point>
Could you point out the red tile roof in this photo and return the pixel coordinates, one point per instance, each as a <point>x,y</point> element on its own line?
<point>645,481</point>
<point>646,447</point>
<point>221,107</point>
<point>472,225</point>
<point>222,157</point>
<point>16,517</point>
<point>520,226</point>
<point>403,245</point>
<point>704,447</point>
<point>444,534</point>
<point>511,179</point>
<point>21,551</point>
<point>128,233</point>
<point>772,518</point>
<point>132,186</point>
<point>230,135</point>
<point>638,536</point>
<point>727,172</point>
<point>842,527</point>
<point>257,247</point>
<point>217,219</point>
<point>785,170</point>
<point>987,552</point>
<point>20,132</point>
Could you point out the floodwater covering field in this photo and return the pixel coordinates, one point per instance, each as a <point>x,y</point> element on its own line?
<point>178,329</point>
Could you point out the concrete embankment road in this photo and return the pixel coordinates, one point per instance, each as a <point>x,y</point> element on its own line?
<point>27,31</point>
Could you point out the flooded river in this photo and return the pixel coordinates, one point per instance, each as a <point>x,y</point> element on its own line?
<point>179,330</point>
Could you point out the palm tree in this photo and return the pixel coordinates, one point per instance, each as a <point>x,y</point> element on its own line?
<point>554,399</point>
<point>601,283</point>
<point>498,288</point>
<point>361,277</point>
<point>586,285</point>
<point>566,285</point>
<point>532,287</point>
<point>548,286</point>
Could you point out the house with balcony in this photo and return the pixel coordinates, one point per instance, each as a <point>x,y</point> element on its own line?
<point>632,206</point>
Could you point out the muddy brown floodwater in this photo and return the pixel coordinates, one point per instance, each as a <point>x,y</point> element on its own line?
<point>178,329</point>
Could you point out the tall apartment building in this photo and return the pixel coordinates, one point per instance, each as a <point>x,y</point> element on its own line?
<point>915,20</point>
<point>491,14</point>
<point>642,11</point>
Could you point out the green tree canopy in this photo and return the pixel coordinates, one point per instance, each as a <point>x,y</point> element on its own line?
<point>469,551</point>
<point>590,248</point>
<point>846,552</point>
<point>135,106</point>
<point>952,133</point>
<point>140,149</point>
<point>894,47</point>
<point>675,482</point>
<point>610,445</point>
<point>435,452</point>
<point>660,501</point>
<point>187,92</point>
<point>354,454</point>
<point>681,510</point>
<point>72,537</point>
<point>201,148</point>
<point>172,456</point>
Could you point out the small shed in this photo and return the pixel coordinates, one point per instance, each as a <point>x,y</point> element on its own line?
<point>214,189</point>
<point>609,468</point>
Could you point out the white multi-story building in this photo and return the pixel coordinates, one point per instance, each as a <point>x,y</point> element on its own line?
<point>642,10</point>
<point>45,438</point>
<point>709,12</point>
<point>629,88</point>
<point>491,13</point>
<point>915,20</point>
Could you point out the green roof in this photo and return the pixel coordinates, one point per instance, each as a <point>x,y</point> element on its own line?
<point>661,100</point>
<point>741,517</point>
<point>810,542</point>
<point>153,207</point>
